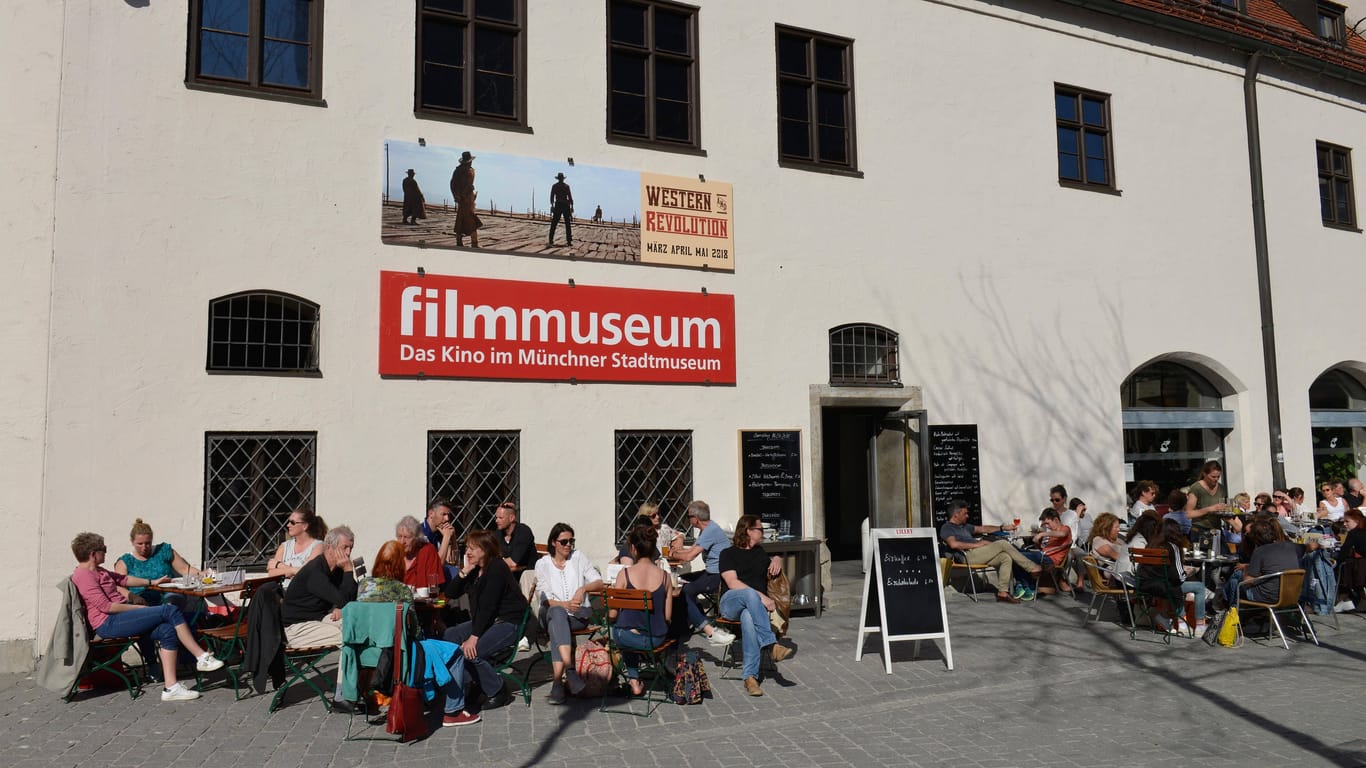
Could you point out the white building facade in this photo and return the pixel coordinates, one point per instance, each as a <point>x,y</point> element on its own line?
<point>992,279</point>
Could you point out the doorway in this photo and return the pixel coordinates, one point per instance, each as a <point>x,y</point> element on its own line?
<point>874,463</point>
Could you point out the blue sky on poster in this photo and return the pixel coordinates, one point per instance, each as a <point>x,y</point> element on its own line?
<point>514,181</point>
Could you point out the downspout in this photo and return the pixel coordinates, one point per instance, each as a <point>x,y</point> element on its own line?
<point>1254,163</point>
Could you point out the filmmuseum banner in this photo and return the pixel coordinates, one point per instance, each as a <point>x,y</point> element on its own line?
<point>478,328</point>
<point>465,198</point>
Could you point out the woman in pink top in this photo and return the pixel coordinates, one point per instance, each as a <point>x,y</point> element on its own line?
<point>112,615</point>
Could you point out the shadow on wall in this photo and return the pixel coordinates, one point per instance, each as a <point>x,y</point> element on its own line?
<point>1052,410</point>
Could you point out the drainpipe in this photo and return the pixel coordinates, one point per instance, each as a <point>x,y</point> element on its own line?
<point>1254,163</point>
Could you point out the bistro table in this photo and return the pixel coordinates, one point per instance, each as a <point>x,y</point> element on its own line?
<point>1218,564</point>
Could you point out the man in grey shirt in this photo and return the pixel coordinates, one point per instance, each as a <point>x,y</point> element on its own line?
<point>959,536</point>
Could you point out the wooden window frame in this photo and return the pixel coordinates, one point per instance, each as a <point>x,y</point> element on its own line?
<point>1079,125</point>
<point>1331,176</point>
<point>469,113</point>
<point>255,34</point>
<point>651,140</point>
<point>810,82</point>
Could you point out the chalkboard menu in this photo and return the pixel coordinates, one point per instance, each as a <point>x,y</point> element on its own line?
<point>908,582</point>
<point>903,593</point>
<point>771,478</point>
<point>955,472</point>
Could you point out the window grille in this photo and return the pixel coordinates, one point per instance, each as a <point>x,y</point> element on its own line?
<point>263,331</point>
<point>653,467</point>
<point>476,471</point>
<point>252,481</point>
<point>864,355</point>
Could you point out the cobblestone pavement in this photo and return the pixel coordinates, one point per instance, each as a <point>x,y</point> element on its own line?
<point>1031,686</point>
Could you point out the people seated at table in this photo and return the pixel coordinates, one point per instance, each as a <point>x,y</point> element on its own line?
<point>311,610</point>
<point>961,536</point>
<point>305,531</point>
<point>1145,491</point>
<point>648,514</point>
<point>1352,557</point>
<point>385,582</point>
<point>518,546</point>
<point>1173,579</point>
<point>496,610</point>
<point>745,569</point>
<point>1332,506</point>
<point>1054,542</point>
<point>636,630</point>
<point>565,579</point>
<point>421,562</point>
<point>1109,551</point>
<point>1270,554</point>
<point>150,562</point>
<point>111,614</point>
<point>1303,510</point>
<point>710,542</point>
<point>1142,531</point>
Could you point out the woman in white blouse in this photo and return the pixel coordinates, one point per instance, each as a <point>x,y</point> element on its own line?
<point>564,581</point>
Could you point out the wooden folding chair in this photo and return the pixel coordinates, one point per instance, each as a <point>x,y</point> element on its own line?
<point>105,655</point>
<point>228,643</point>
<point>1157,558</point>
<point>1288,601</point>
<point>503,661</point>
<point>637,600</point>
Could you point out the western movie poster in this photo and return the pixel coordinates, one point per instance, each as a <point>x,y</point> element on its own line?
<point>465,198</point>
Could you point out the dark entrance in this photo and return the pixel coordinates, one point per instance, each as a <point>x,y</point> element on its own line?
<point>873,466</point>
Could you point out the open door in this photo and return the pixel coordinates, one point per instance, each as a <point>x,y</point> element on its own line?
<point>898,470</point>
<point>874,466</point>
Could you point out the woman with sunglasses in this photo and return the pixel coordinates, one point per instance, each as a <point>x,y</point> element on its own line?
<point>648,514</point>
<point>564,582</point>
<point>745,569</point>
<point>305,531</point>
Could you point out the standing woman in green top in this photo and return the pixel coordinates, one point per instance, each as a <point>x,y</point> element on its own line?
<point>150,562</point>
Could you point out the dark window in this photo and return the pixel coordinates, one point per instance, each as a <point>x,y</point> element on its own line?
<point>653,467</point>
<point>1330,23</point>
<point>264,332</point>
<point>1335,186</point>
<point>1168,385</point>
<point>252,481</point>
<point>477,471</point>
<point>652,72</point>
<point>815,99</point>
<point>1233,5</point>
<point>864,355</point>
<point>1084,155</point>
<point>260,46</point>
<point>471,59</point>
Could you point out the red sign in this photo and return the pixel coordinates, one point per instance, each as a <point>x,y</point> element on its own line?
<point>476,328</point>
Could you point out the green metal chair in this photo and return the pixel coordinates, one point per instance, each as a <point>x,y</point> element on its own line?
<point>637,600</point>
<point>105,655</point>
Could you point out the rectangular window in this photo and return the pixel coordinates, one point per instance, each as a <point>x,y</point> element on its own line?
<point>652,72</point>
<point>1084,153</point>
<point>471,60</point>
<point>252,481</point>
<point>815,99</point>
<point>475,471</point>
<point>1330,22</point>
<point>266,47</point>
<point>653,467</point>
<point>1335,186</point>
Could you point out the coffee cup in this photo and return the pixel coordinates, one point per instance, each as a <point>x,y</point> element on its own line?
<point>423,593</point>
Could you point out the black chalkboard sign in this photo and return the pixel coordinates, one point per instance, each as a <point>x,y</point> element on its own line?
<point>955,472</point>
<point>771,478</point>
<point>903,593</point>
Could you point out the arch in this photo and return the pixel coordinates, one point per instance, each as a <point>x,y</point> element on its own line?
<point>1173,417</point>
<point>262,331</point>
<point>1337,421</point>
<point>864,354</point>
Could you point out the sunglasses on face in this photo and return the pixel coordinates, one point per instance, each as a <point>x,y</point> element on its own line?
<point>566,542</point>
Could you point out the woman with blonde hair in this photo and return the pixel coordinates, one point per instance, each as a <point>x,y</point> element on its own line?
<point>149,562</point>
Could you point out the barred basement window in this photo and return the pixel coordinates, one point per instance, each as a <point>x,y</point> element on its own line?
<point>252,481</point>
<point>654,467</point>
<point>477,471</point>
<point>862,354</point>
<point>263,331</point>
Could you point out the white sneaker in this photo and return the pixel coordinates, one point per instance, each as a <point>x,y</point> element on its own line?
<point>179,693</point>
<point>1164,622</point>
<point>720,637</point>
<point>574,682</point>
<point>523,645</point>
<point>1346,606</point>
<point>207,663</point>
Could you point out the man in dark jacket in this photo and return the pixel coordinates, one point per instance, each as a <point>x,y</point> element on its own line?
<point>314,599</point>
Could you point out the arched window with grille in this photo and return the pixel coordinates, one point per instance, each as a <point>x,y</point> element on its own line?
<point>263,332</point>
<point>864,355</point>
